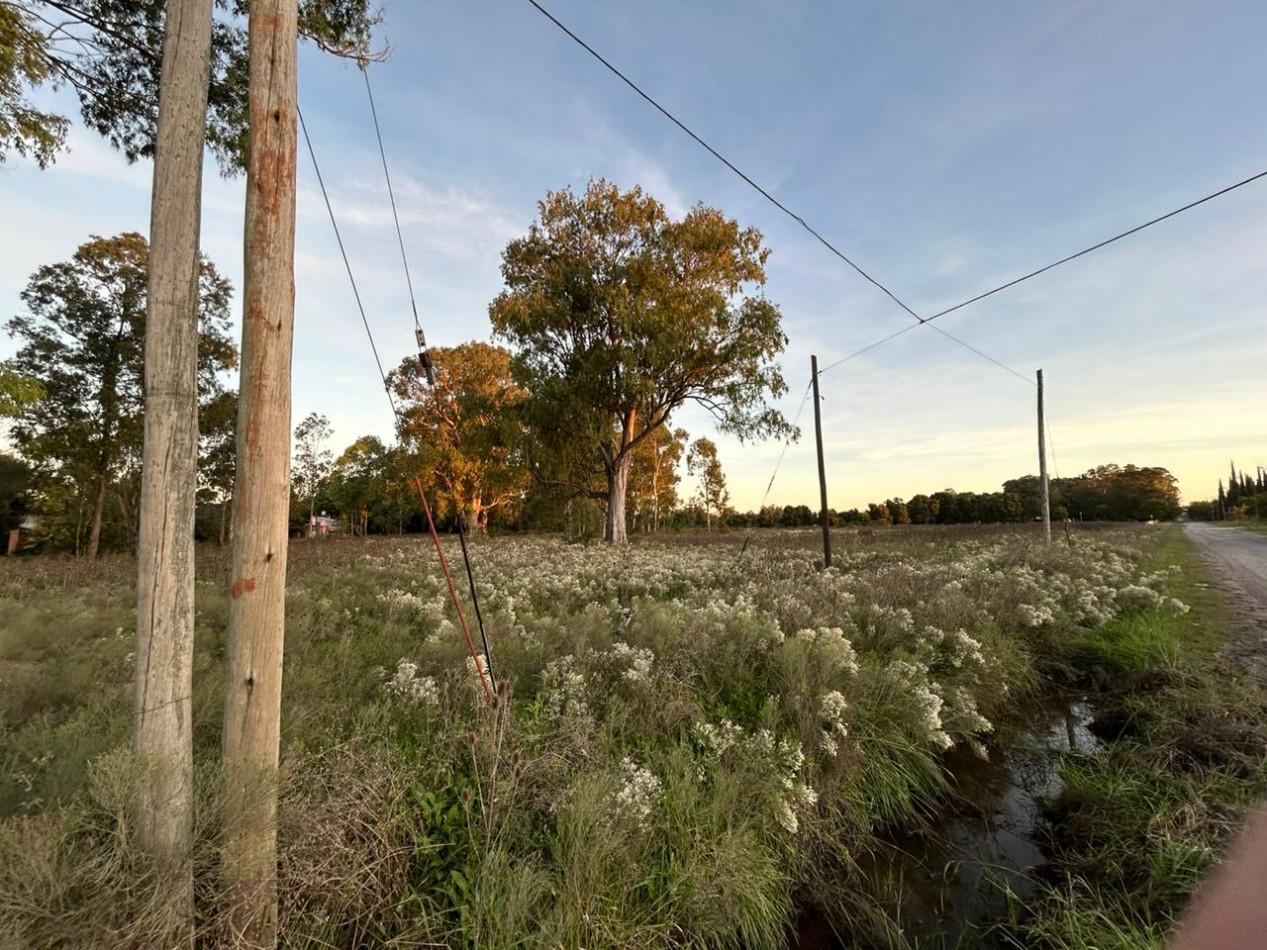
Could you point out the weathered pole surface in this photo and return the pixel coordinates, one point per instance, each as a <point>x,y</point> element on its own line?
<point>261,497</point>
<point>822,471</point>
<point>1042,464</point>
<point>162,707</point>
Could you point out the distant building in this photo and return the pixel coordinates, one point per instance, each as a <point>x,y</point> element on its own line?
<point>322,526</point>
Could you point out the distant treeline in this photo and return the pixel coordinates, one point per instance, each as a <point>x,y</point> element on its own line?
<point>1238,500</point>
<point>1105,493</point>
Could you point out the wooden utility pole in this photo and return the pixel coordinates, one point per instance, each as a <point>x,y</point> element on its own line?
<point>261,497</point>
<point>822,471</point>
<point>162,706</point>
<point>1042,464</point>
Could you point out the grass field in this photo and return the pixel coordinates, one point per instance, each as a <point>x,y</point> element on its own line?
<point>692,740</point>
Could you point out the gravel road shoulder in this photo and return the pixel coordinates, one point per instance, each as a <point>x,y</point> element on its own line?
<point>1238,563</point>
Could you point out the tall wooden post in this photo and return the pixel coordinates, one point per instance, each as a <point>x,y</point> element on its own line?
<point>162,703</point>
<point>261,498</point>
<point>822,471</point>
<point>1042,464</point>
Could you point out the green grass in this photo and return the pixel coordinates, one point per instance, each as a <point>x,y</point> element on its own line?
<point>407,822</point>
<point>1139,825</point>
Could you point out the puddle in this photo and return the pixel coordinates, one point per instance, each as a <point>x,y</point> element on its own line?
<point>944,884</point>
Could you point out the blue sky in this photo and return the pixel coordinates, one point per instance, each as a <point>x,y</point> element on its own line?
<point>944,147</point>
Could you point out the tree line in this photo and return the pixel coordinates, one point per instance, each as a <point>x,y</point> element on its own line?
<point>486,437</point>
<point>1244,497</point>
<point>1104,493</point>
<point>618,315</point>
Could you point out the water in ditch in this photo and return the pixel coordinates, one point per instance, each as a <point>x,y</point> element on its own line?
<point>944,885</point>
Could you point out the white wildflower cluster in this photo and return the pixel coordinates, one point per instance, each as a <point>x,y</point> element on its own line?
<point>405,684</point>
<point>962,706</point>
<point>831,710</point>
<point>895,621</point>
<point>547,572</point>
<point>563,688</point>
<point>1089,604</point>
<point>1176,606</point>
<point>716,739</point>
<point>633,662</point>
<point>777,760</point>
<point>1035,615</point>
<point>433,613</point>
<point>784,755</point>
<point>641,793</point>
<point>477,673</point>
<point>792,610</point>
<point>786,760</point>
<point>833,651</point>
<point>1138,597</point>
<point>963,651</point>
<point>927,699</point>
<point>1157,580</point>
<point>400,601</point>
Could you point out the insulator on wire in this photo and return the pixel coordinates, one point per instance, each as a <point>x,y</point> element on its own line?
<point>424,357</point>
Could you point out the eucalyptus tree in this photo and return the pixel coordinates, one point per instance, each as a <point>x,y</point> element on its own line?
<point>465,427</point>
<point>313,460</point>
<point>702,462</point>
<point>621,315</point>
<point>82,339</point>
<point>110,52</point>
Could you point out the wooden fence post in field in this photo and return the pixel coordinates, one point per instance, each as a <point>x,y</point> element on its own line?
<point>261,498</point>
<point>162,704</point>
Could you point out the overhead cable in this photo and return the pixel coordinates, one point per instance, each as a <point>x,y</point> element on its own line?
<point>487,667</point>
<point>758,188</point>
<point>1096,247</point>
<point>723,159</point>
<point>1042,270</point>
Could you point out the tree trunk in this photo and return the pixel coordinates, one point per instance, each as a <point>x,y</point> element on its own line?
<point>261,497</point>
<point>655,494</point>
<point>79,525</point>
<point>617,482</point>
<point>162,704</point>
<point>98,508</point>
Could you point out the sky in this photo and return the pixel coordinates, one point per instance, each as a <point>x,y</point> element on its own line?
<point>945,148</point>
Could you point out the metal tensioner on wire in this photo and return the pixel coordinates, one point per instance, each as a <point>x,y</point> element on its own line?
<point>424,357</point>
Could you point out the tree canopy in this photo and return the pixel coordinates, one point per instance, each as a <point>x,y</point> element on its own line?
<point>312,460</point>
<point>110,53</point>
<point>620,315</point>
<point>464,427</point>
<point>83,341</point>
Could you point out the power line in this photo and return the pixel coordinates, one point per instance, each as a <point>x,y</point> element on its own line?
<point>722,158</point>
<point>760,190</point>
<point>424,358</point>
<point>399,418</point>
<point>920,321</point>
<point>869,347</point>
<point>1096,247</point>
<point>1035,273</point>
<point>348,266</point>
<point>985,356</point>
<point>391,194</point>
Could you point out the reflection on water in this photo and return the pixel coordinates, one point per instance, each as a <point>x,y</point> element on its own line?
<point>943,883</point>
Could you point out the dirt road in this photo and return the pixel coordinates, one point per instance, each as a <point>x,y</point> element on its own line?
<point>1238,562</point>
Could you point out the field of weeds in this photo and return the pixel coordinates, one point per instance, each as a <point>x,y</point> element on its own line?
<point>691,741</point>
